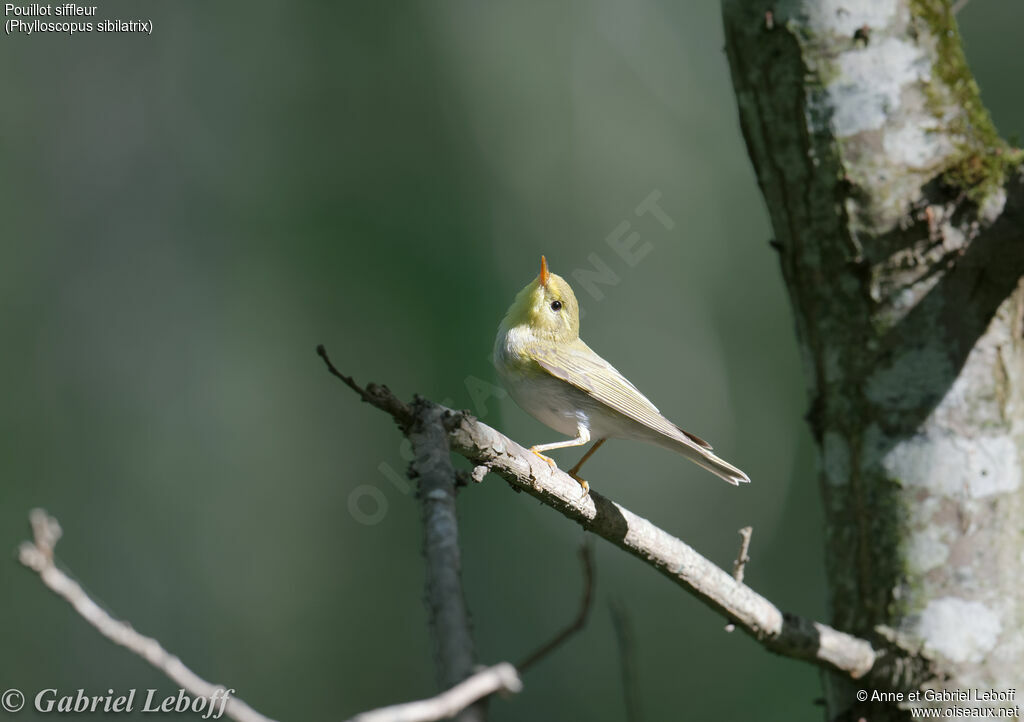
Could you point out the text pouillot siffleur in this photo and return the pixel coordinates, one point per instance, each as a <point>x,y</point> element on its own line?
<point>48,10</point>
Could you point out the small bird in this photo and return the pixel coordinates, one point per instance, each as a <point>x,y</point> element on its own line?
<point>560,381</point>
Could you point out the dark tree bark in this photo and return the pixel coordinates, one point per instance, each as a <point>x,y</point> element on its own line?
<point>446,606</point>
<point>897,211</point>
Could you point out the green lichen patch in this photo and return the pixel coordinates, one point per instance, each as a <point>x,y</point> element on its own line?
<point>984,160</point>
<point>980,171</point>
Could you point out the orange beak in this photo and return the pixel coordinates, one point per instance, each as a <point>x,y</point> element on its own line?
<point>544,275</point>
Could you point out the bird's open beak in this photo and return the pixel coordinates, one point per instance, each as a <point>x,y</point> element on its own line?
<point>544,275</point>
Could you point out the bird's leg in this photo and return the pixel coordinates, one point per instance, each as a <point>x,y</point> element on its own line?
<point>582,437</point>
<point>574,471</point>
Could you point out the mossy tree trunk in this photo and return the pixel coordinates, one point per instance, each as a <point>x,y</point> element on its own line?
<point>897,212</point>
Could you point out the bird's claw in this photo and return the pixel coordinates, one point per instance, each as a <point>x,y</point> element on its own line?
<point>553,466</point>
<point>583,483</point>
<point>551,462</point>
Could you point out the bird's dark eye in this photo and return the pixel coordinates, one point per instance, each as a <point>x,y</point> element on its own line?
<point>556,305</point>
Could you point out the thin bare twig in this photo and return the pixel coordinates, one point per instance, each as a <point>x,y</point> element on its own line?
<point>587,561</point>
<point>499,678</point>
<point>741,561</point>
<point>959,5</point>
<point>627,663</point>
<point>379,396</point>
<point>786,634</point>
<point>37,555</point>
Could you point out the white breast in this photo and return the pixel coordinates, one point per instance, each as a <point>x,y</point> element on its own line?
<point>551,401</point>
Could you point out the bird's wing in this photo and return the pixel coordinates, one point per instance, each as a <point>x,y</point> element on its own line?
<point>578,365</point>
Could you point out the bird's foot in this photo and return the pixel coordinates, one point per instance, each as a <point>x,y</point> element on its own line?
<point>583,483</point>
<point>551,462</point>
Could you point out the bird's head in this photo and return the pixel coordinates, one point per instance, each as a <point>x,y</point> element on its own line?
<point>547,307</point>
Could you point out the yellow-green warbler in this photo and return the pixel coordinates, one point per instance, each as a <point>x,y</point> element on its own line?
<point>558,379</point>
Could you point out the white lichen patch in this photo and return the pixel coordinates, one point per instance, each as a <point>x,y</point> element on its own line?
<point>960,630</point>
<point>927,549</point>
<point>974,399</point>
<point>956,467</point>
<point>916,146</point>
<point>1006,658</point>
<point>845,17</point>
<point>869,82</point>
<point>992,207</point>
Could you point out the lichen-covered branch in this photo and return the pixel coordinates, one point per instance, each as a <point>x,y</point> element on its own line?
<point>782,633</point>
<point>898,214</point>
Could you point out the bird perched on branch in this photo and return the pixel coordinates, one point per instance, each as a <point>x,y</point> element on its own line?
<point>559,380</point>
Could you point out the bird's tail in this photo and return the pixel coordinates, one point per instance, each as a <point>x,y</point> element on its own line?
<point>719,467</point>
<point>699,452</point>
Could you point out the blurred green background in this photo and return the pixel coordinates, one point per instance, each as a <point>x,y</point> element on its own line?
<point>186,215</point>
